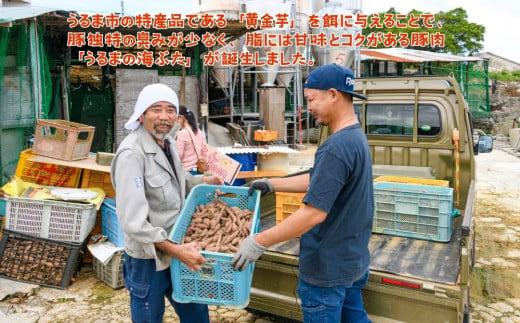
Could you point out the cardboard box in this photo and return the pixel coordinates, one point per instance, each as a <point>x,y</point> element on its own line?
<point>221,164</point>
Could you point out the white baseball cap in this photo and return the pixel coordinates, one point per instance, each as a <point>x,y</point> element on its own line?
<point>149,95</point>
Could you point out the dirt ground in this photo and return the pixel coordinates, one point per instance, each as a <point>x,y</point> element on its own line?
<point>495,276</point>
<point>497,226</point>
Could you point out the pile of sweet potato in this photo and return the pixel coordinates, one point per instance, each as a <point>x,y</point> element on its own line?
<point>32,260</point>
<point>217,227</point>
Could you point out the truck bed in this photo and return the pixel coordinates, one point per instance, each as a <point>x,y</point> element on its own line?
<point>427,260</point>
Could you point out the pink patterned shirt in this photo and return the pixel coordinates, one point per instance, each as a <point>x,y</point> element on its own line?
<point>185,147</point>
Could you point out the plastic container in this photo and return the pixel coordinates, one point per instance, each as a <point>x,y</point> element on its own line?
<point>413,180</point>
<point>413,211</point>
<point>248,161</point>
<point>63,139</point>
<point>287,203</point>
<point>400,170</point>
<point>2,206</point>
<point>217,283</point>
<point>36,260</point>
<point>111,273</point>
<point>46,174</point>
<point>56,220</point>
<point>110,226</point>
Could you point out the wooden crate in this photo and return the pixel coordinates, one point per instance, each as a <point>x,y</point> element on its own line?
<point>102,180</point>
<point>62,139</point>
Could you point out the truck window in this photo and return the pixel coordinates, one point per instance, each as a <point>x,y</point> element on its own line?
<point>397,119</point>
<point>429,122</point>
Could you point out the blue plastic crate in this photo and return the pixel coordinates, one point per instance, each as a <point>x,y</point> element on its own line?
<point>414,211</point>
<point>217,283</point>
<point>110,226</point>
<point>2,207</point>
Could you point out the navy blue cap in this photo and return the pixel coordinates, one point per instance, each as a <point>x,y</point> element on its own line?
<point>332,76</point>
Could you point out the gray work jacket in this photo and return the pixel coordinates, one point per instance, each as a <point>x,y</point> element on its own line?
<point>149,196</point>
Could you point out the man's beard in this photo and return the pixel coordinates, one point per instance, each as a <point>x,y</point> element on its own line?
<point>161,135</point>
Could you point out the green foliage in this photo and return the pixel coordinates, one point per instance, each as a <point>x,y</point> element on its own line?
<point>461,36</point>
<point>505,76</point>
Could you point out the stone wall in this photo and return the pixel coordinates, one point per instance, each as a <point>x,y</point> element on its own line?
<point>505,119</point>
<point>505,110</point>
<point>500,122</point>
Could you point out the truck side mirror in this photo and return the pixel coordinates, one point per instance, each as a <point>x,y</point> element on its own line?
<point>485,144</point>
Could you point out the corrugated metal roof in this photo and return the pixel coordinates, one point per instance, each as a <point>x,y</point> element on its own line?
<point>9,14</point>
<point>406,55</point>
<point>261,150</point>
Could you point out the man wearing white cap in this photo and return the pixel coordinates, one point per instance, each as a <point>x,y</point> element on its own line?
<point>150,186</point>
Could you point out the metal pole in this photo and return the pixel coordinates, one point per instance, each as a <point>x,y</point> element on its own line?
<point>35,63</point>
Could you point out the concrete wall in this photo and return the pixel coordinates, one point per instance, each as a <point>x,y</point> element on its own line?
<point>192,88</point>
<point>498,63</point>
<point>129,83</point>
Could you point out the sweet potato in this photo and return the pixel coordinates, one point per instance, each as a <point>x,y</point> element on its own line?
<point>218,227</point>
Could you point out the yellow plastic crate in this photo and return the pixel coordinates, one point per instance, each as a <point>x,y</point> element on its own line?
<point>413,180</point>
<point>287,203</point>
<point>46,174</point>
<point>102,180</point>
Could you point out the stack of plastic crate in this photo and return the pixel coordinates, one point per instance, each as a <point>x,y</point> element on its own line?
<point>43,240</point>
<point>112,272</point>
<point>413,210</point>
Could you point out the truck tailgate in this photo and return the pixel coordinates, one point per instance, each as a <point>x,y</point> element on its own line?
<point>421,259</point>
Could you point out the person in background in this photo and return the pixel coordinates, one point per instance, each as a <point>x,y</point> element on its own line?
<point>190,140</point>
<point>335,223</point>
<point>150,187</point>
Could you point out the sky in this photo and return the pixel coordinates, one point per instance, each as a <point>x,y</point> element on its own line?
<point>500,17</point>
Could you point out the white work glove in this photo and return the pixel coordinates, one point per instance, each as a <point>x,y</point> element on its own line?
<point>262,184</point>
<point>248,252</point>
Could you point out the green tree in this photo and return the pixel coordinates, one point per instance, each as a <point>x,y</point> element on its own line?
<point>460,35</point>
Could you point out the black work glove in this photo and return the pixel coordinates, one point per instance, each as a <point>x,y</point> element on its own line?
<point>263,185</point>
